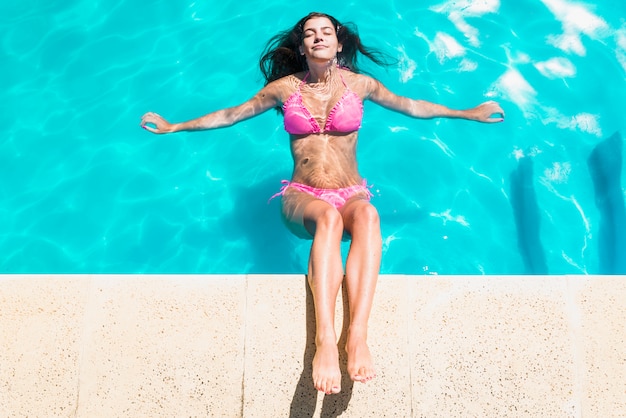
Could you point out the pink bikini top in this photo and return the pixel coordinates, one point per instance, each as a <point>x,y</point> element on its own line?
<point>345,116</point>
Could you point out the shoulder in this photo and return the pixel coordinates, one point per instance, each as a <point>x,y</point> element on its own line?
<point>289,80</point>
<point>284,86</point>
<point>363,84</point>
<point>279,89</point>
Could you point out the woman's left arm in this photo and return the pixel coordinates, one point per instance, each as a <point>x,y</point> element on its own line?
<point>488,112</point>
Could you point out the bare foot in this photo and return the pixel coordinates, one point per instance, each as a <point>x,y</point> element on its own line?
<point>326,373</point>
<point>360,363</point>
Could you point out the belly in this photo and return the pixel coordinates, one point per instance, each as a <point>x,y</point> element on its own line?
<point>325,161</point>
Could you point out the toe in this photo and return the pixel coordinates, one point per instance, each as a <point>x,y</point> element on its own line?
<point>363,375</point>
<point>320,386</point>
<point>328,387</point>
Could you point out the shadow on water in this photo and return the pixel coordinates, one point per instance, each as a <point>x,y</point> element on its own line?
<point>260,223</point>
<point>305,395</point>
<point>396,210</point>
<point>605,166</point>
<point>527,218</point>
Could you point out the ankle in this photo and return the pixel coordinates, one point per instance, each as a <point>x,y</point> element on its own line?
<point>357,331</point>
<point>325,338</point>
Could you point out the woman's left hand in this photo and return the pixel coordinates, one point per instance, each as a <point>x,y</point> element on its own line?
<point>488,112</point>
<point>161,126</point>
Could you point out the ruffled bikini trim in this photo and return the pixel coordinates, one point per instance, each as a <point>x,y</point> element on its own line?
<point>331,115</point>
<point>319,191</point>
<point>300,104</point>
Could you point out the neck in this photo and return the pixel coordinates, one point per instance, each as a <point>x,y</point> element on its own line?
<point>321,72</point>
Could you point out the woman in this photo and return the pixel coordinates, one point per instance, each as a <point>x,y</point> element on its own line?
<point>308,79</point>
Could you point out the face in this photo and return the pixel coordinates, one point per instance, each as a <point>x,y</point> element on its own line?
<point>319,39</point>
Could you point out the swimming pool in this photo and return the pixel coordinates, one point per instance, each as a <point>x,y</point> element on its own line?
<point>85,190</point>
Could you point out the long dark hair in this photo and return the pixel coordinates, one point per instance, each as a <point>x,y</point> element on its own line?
<point>282,57</point>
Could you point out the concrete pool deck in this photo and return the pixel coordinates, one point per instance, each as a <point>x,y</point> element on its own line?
<point>241,346</point>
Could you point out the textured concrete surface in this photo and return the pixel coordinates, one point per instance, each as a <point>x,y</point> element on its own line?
<point>233,346</point>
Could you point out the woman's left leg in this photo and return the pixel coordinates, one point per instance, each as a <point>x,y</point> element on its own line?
<point>362,267</point>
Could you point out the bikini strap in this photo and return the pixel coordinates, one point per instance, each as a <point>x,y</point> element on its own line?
<point>305,77</point>
<point>281,192</point>
<point>302,83</point>
<point>342,80</point>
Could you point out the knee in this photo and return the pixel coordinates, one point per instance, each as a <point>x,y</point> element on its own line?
<point>330,222</point>
<point>366,216</point>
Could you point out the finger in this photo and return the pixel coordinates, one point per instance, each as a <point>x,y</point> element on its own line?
<point>150,117</point>
<point>492,104</point>
<point>498,109</point>
<point>146,119</point>
<point>149,122</point>
<point>148,128</point>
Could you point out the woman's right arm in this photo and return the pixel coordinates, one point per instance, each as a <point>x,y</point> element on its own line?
<point>265,99</point>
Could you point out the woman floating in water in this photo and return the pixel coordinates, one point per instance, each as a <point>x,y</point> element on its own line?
<point>312,77</point>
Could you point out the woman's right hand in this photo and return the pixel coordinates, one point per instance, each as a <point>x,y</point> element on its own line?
<point>156,124</point>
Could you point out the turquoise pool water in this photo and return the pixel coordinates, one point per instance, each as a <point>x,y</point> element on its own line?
<point>85,190</point>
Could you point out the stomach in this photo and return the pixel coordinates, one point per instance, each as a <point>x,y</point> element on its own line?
<point>326,161</point>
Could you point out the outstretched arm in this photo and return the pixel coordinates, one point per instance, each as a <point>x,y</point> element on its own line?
<point>488,112</point>
<point>264,100</point>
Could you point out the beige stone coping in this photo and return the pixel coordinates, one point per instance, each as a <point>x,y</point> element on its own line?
<point>233,346</point>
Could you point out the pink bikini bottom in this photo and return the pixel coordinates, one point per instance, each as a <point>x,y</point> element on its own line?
<point>336,197</point>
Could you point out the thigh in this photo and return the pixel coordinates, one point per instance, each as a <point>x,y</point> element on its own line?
<point>357,204</point>
<point>300,211</point>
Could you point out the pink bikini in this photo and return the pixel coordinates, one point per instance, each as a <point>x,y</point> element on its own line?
<point>345,116</point>
<point>336,197</point>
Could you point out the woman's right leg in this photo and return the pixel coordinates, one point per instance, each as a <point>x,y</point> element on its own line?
<point>325,274</point>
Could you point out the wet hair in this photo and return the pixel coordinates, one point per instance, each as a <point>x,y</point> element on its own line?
<point>281,56</point>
